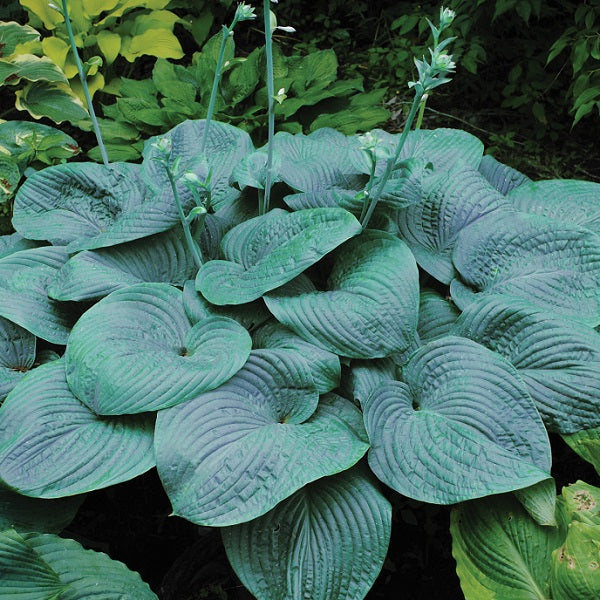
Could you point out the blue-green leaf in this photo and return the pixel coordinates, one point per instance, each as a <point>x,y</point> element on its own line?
<point>44,456</point>
<point>551,264</point>
<point>232,454</point>
<point>137,351</point>
<point>369,309</point>
<point>17,354</point>
<point>24,280</point>
<point>502,177</point>
<point>265,252</point>
<point>460,426</point>
<point>558,359</point>
<point>436,316</point>
<point>327,541</point>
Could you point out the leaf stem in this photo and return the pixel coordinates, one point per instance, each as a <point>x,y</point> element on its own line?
<point>392,161</point>
<point>83,78</point>
<point>191,243</point>
<point>270,106</point>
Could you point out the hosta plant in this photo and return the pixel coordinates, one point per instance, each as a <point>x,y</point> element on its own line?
<point>282,332</point>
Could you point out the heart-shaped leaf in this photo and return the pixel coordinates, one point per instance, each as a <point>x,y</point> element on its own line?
<point>558,359</point>
<point>587,444</point>
<point>93,274</point>
<point>268,251</point>
<point>46,457</point>
<point>370,307</point>
<point>233,453</point>
<point>460,426</point>
<point>451,200</point>
<point>48,566</point>
<point>500,551</point>
<point>24,280</point>
<point>17,354</point>
<point>137,351</point>
<point>551,264</point>
<point>567,200</point>
<point>327,541</point>
<point>502,177</point>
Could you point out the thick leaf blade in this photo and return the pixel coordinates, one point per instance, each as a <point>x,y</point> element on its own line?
<point>502,177</point>
<point>233,453</point>
<point>268,251</point>
<point>46,457</point>
<point>17,354</point>
<point>587,444</point>
<point>24,280</point>
<point>86,573</point>
<point>558,359</point>
<point>551,264</point>
<point>436,316</point>
<point>500,552</point>
<point>460,426</point>
<point>136,351</point>
<point>451,201</point>
<point>370,307</point>
<point>93,274</point>
<point>568,200</point>
<point>328,541</point>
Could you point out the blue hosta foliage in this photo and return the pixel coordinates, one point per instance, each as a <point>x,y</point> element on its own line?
<point>305,358</point>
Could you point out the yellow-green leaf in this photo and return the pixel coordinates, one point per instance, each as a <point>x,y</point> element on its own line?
<point>109,44</point>
<point>48,16</point>
<point>155,42</point>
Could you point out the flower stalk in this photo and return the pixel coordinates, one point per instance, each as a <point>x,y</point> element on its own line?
<point>83,77</point>
<point>264,199</point>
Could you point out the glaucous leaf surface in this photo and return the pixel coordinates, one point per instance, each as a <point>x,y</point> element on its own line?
<point>80,205</point>
<point>575,573</point>
<point>17,354</point>
<point>232,454</point>
<point>501,176</point>
<point>93,274</point>
<point>226,145</point>
<point>327,541</point>
<point>568,200</point>
<point>23,573</point>
<point>13,242</point>
<point>369,309</point>
<point>436,315</point>
<point>367,375</point>
<point>451,200</point>
<point>136,351</point>
<point>44,456</point>
<point>36,514</point>
<point>324,366</point>
<point>558,359</point>
<point>48,566</point>
<point>500,552</point>
<point>24,280</point>
<point>551,264</point>
<point>460,426</point>
<point>587,444</point>
<point>263,253</point>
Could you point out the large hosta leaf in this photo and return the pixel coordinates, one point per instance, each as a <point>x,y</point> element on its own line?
<point>502,177</point>
<point>24,279</point>
<point>137,351</point>
<point>231,454</point>
<point>328,541</point>
<point>36,566</point>
<point>436,316</point>
<point>568,200</point>
<point>267,251</point>
<point>23,573</point>
<point>78,203</point>
<point>500,552</point>
<point>587,444</point>
<point>324,366</point>
<point>13,242</point>
<point>226,145</point>
<point>17,353</point>
<point>36,514</point>
<point>549,263</point>
<point>460,426</point>
<point>370,307</point>
<point>558,359</point>
<point>52,445</point>
<point>451,200</point>
<point>92,274</point>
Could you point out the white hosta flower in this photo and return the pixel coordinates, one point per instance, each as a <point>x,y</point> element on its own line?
<point>163,145</point>
<point>444,62</point>
<point>245,12</point>
<point>446,17</point>
<point>286,28</point>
